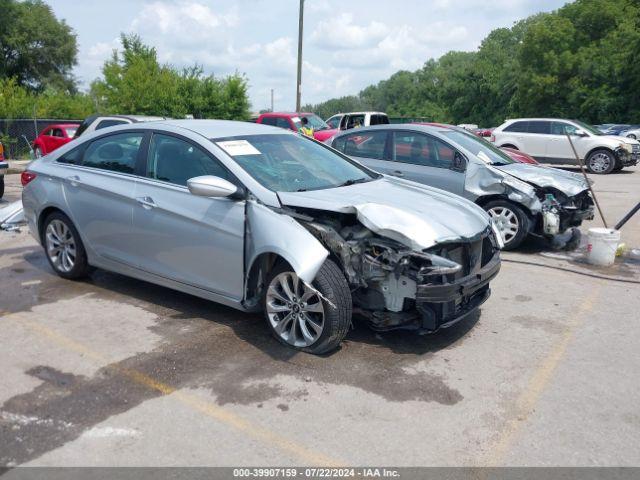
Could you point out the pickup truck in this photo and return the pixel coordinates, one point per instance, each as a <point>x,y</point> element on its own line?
<point>293,121</point>
<point>345,121</point>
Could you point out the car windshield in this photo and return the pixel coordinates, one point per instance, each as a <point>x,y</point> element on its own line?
<point>482,149</point>
<point>315,122</point>
<point>292,163</point>
<point>588,128</point>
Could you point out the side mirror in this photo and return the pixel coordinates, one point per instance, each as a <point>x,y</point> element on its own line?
<point>581,133</point>
<point>211,186</point>
<point>459,162</point>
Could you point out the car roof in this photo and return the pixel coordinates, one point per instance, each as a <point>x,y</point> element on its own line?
<point>413,127</point>
<point>64,125</point>
<point>286,114</point>
<point>224,128</point>
<point>540,119</point>
<point>363,113</point>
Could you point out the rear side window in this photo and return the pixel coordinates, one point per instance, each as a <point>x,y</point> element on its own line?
<point>283,123</point>
<point>72,157</point>
<point>379,120</point>
<point>117,153</point>
<point>109,123</point>
<point>174,160</point>
<point>363,144</point>
<point>520,127</point>
<point>540,127</point>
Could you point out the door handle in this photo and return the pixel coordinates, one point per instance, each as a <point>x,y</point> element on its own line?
<point>74,180</point>
<point>146,202</point>
<point>397,173</point>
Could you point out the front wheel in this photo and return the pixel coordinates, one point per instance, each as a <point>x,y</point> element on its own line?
<point>315,318</point>
<point>512,222</point>
<point>64,249</point>
<point>601,162</point>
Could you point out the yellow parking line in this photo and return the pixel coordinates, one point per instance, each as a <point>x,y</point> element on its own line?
<point>195,403</point>
<point>542,376</point>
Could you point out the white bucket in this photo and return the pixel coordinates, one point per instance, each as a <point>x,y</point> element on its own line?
<point>602,246</point>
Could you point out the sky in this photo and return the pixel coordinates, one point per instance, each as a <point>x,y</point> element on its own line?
<point>348,44</point>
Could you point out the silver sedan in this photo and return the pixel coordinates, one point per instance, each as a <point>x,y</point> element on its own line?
<point>262,220</point>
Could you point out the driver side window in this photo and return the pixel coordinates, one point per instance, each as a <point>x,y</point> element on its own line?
<point>420,149</point>
<point>174,160</point>
<point>561,128</point>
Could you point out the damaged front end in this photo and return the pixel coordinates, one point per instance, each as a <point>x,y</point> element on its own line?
<point>395,286</point>
<point>560,212</point>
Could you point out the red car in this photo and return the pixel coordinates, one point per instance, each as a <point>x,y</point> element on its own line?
<point>517,155</point>
<point>54,136</point>
<point>292,121</point>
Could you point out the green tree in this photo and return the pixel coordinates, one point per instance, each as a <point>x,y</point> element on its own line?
<point>36,48</point>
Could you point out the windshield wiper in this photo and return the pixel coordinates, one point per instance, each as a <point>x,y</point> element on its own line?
<point>353,181</point>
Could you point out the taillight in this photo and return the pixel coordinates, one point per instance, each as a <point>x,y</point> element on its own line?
<point>26,177</point>
<point>1,152</point>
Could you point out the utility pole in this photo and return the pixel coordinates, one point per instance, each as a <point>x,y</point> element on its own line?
<point>298,85</point>
<point>272,99</point>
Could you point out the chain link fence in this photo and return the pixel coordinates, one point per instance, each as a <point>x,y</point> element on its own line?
<point>17,134</point>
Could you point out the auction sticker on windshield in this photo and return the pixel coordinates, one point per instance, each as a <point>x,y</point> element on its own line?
<point>238,147</point>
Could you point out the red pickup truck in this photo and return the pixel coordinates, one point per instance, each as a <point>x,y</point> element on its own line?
<point>293,121</point>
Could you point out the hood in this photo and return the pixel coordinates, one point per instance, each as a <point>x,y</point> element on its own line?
<point>568,183</point>
<point>322,135</point>
<point>620,139</point>
<point>412,214</point>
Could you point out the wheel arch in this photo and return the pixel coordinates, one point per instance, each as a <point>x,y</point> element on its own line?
<point>482,201</point>
<point>595,149</point>
<point>42,216</point>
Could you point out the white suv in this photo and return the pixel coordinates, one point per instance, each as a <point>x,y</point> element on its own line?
<point>545,139</point>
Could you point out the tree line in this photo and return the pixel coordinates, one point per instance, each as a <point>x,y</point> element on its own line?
<point>38,53</point>
<point>580,61</point>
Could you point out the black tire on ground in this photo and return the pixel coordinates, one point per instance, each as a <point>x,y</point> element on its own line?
<point>618,167</point>
<point>81,267</point>
<point>523,219</point>
<point>1,186</point>
<point>332,284</point>
<point>601,162</point>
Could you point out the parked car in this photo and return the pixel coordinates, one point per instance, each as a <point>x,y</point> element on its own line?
<point>616,129</point>
<point>522,199</point>
<point>98,122</point>
<point>258,218</point>
<point>519,156</point>
<point>346,121</point>
<point>4,166</point>
<point>293,121</point>
<point>545,140</point>
<point>54,136</point>
<point>633,133</point>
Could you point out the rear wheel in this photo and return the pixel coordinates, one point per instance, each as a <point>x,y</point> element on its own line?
<point>64,249</point>
<point>601,162</point>
<point>314,318</point>
<point>512,222</point>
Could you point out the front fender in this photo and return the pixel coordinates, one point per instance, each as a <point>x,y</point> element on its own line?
<point>272,232</point>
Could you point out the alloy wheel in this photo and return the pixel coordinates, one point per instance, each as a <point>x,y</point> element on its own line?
<point>507,222</point>
<point>599,162</point>
<point>61,246</point>
<point>294,310</point>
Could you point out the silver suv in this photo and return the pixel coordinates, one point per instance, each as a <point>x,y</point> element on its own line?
<point>545,139</point>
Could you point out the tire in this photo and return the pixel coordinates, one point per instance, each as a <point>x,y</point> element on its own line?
<point>1,186</point>
<point>601,162</point>
<point>317,326</point>
<point>507,214</point>
<point>63,247</point>
<point>38,152</point>
<point>618,167</point>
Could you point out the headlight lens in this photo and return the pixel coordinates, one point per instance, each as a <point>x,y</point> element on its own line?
<point>519,185</point>
<point>439,266</point>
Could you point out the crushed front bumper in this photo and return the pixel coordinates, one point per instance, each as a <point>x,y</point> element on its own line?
<point>626,158</point>
<point>440,305</point>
